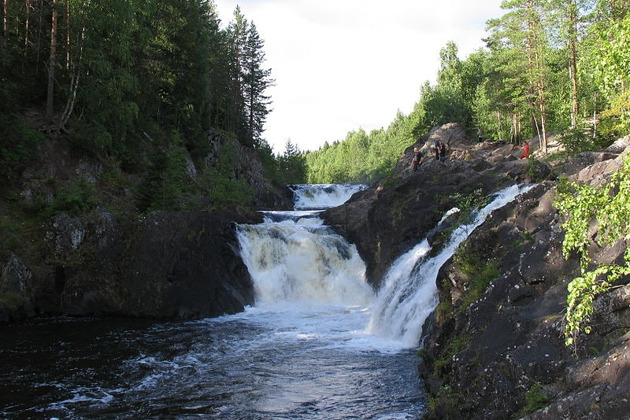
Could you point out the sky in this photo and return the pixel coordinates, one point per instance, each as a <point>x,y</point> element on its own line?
<point>344,65</point>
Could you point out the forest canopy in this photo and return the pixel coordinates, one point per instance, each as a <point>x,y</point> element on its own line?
<point>140,85</point>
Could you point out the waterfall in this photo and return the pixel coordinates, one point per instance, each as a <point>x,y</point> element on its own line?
<point>302,262</point>
<point>296,261</point>
<point>409,291</point>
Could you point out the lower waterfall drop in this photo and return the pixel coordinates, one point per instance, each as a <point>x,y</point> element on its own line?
<point>409,291</point>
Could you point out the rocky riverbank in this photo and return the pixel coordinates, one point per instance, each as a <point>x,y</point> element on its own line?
<point>494,348</point>
<point>168,265</point>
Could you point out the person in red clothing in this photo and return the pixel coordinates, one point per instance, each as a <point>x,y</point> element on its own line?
<point>525,154</point>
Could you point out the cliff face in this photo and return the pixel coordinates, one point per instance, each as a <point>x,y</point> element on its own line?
<point>108,261</point>
<point>500,353</point>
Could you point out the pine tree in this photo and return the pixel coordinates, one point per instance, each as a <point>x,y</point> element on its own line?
<point>256,81</point>
<point>251,79</point>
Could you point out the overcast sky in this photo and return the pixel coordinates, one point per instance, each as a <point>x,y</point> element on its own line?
<point>341,65</point>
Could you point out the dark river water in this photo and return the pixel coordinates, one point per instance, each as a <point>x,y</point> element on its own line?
<point>283,364</point>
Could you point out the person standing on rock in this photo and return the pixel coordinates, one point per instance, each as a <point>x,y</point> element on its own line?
<point>436,146</point>
<point>417,158</point>
<point>442,152</point>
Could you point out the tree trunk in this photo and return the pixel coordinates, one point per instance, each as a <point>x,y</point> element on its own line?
<point>67,19</point>
<point>52,62</point>
<point>573,74</point>
<point>536,68</point>
<point>515,135</point>
<point>4,19</point>
<point>38,41</point>
<point>27,22</point>
<point>74,85</point>
<point>500,126</point>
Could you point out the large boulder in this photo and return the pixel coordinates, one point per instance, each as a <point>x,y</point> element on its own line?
<point>185,265</point>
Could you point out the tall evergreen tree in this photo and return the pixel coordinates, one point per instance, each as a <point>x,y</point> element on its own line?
<point>256,81</point>
<point>250,77</point>
<point>518,40</point>
<point>237,42</point>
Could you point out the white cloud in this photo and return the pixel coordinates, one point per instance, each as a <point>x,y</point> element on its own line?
<point>341,65</point>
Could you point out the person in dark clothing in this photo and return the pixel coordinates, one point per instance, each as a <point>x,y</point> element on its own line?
<point>442,154</point>
<point>436,145</point>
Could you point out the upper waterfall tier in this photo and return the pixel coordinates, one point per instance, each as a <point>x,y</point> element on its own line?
<point>323,196</point>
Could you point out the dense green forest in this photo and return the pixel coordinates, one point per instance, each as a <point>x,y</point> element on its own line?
<point>549,67</point>
<point>139,85</point>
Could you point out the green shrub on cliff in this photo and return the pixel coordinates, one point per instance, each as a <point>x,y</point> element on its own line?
<point>609,207</point>
<point>74,199</point>
<point>536,398</point>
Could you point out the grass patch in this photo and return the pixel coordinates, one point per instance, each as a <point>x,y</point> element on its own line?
<point>535,398</point>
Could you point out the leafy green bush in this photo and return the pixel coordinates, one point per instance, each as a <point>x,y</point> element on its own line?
<point>609,206</point>
<point>479,271</point>
<point>219,181</point>
<point>577,140</point>
<point>468,203</point>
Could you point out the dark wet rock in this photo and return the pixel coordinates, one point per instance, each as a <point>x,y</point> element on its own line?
<point>168,265</point>
<point>186,265</point>
<point>511,338</point>
<point>14,280</point>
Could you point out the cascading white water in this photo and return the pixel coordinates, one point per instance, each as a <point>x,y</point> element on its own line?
<point>318,344</point>
<point>409,291</point>
<point>303,263</point>
<point>323,196</point>
<point>295,260</point>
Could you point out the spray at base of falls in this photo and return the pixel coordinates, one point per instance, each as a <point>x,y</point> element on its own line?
<point>301,263</point>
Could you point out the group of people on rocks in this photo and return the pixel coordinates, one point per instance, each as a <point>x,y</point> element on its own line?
<point>440,149</point>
